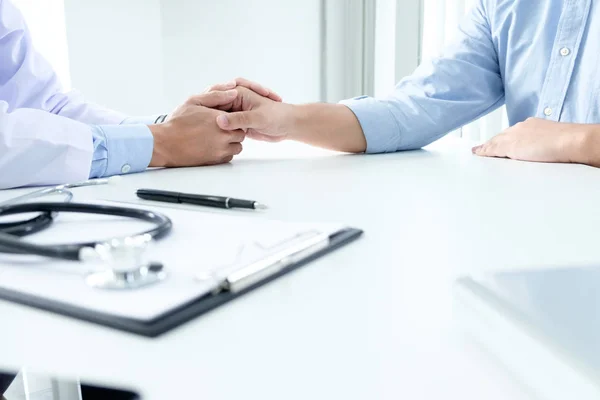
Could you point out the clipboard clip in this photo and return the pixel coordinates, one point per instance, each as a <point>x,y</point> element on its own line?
<point>260,270</point>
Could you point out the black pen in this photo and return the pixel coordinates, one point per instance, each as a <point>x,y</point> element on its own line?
<point>198,199</point>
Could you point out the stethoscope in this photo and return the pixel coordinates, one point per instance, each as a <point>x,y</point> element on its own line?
<point>124,256</point>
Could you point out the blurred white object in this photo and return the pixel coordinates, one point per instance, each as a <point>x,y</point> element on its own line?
<point>542,325</point>
<point>32,386</point>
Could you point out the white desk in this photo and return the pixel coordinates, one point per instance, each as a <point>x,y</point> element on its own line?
<point>371,321</point>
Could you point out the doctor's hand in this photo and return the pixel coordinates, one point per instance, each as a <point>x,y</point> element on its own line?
<point>260,117</point>
<point>546,141</point>
<point>191,136</point>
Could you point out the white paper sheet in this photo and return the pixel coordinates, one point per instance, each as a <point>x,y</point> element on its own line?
<point>200,244</point>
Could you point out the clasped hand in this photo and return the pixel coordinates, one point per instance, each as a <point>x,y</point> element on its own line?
<point>191,136</point>
<point>209,129</point>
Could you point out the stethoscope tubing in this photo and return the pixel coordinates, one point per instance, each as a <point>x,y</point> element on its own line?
<point>12,244</point>
<point>28,227</point>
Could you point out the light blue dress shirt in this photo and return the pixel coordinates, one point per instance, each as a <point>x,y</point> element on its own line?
<point>539,57</point>
<point>122,151</point>
<point>48,136</point>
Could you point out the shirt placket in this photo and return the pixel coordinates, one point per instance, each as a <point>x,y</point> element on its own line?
<point>571,27</point>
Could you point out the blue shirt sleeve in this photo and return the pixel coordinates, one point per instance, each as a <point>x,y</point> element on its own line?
<point>442,95</point>
<point>120,149</point>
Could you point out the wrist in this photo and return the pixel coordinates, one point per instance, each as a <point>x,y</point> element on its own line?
<point>331,126</point>
<point>160,157</point>
<point>295,117</point>
<point>586,145</point>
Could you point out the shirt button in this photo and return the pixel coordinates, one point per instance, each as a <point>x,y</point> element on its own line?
<point>565,52</point>
<point>125,168</point>
<point>547,111</point>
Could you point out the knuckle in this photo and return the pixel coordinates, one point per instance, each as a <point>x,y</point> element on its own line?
<point>235,137</point>
<point>227,159</point>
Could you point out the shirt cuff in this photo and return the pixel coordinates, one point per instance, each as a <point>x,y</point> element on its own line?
<point>379,126</point>
<point>120,149</point>
<point>148,120</point>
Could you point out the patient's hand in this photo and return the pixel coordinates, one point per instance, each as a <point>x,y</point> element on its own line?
<point>260,117</point>
<point>546,141</point>
<point>243,83</point>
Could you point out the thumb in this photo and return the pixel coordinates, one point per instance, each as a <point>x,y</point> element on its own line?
<point>239,120</point>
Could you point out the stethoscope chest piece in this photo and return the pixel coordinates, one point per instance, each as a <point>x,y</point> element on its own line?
<point>119,263</point>
<point>111,280</point>
<point>126,265</point>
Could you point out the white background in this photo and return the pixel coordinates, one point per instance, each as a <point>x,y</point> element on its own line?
<point>115,53</point>
<point>146,56</point>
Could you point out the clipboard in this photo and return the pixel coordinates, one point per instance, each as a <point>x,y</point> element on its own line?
<point>189,310</point>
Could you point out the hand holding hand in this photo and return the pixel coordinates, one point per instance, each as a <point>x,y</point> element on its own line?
<point>242,82</point>
<point>191,136</point>
<point>260,117</point>
<point>228,87</point>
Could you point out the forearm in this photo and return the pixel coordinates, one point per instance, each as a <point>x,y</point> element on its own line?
<point>39,148</point>
<point>331,126</point>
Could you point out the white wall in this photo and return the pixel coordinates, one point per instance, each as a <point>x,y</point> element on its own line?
<point>271,41</point>
<point>146,56</point>
<point>115,51</point>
